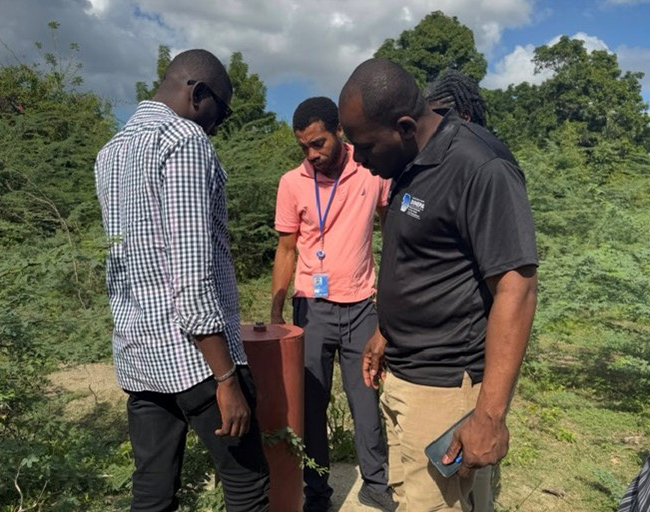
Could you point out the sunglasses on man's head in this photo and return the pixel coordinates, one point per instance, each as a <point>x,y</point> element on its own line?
<point>227,111</point>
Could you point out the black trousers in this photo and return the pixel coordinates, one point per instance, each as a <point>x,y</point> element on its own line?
<point>158,425</point>
<point>331,327</point>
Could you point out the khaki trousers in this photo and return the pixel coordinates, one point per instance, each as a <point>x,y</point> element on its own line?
<point>416,415</point>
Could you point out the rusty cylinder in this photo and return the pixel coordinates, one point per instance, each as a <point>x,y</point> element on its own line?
<point>276,359</point>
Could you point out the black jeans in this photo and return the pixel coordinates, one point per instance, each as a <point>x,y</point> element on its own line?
<point>158,424</point>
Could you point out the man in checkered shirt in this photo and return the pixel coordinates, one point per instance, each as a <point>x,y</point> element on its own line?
<point>172,291</point>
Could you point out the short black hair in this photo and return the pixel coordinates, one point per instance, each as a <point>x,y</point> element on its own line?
<point>316,109</point>
<point>201,65</point>
<point>457,90</point>
<point>387,91</point>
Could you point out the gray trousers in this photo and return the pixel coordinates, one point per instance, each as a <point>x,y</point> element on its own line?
<point>331,327</point>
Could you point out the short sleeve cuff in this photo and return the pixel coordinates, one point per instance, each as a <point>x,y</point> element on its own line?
<point>286,228</point>
<point>506,267</point>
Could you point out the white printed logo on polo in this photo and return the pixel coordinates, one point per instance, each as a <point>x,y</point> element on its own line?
<point>412,206</point>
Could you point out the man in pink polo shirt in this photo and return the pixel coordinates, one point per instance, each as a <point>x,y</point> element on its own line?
<point>325,212</point>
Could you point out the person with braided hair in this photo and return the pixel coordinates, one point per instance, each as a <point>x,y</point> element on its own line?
<point>453,89</point>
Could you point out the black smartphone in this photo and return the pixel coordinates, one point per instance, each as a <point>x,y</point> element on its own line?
<point>436,450</point>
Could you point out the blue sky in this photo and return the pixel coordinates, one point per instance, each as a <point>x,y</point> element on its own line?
<point>302,48</point>
<point>625,24</point>
<point>620,27</point>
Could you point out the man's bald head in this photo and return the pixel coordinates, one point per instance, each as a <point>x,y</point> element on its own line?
<point>201,66</point>
<point>196,86</point>
<point>384,116</point>
<point>386,90</point>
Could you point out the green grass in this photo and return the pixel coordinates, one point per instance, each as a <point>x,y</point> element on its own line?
<point>575,441</point>
<point>574,446</point>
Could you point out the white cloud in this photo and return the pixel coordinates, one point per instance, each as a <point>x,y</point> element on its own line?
<point>318,41</point>
<point>518,67</point>
<point>117,48</point>
<point>341,20</point>
<point>97,6</point>
<point>515,68</point>
<point>323,45</point>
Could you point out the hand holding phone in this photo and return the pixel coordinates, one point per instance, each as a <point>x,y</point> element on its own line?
<point>436,450</point>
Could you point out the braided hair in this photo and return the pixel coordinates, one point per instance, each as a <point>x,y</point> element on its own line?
<point>457,90</point>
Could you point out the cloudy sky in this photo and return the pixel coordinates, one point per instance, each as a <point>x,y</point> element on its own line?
<point>302,48</point>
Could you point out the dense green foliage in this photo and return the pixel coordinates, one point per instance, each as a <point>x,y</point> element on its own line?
<point>587,90</point>
<point>255,150</point>
<point>436,43</point>
<point>581,138</point>
<point>255,159</point>
<point>52,300</point>
<point>249,100</point>
<point>592,233</point>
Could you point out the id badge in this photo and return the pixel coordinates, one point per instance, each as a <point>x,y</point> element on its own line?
<point>321,286</point>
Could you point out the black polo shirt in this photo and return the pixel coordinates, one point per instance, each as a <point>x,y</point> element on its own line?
<point>457,215</point>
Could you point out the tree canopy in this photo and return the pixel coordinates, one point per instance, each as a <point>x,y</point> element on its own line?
<point>249,96</point>
<point>587,90</point>
<point>436,43</point>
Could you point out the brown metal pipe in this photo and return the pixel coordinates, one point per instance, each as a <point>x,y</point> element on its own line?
<point>276,358</point>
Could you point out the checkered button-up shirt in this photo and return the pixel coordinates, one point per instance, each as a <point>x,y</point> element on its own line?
<point>169,270</point>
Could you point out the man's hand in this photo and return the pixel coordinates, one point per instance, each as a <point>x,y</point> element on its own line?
<point>372,361</point>
<point>235,413</point>
<point>482,440</point>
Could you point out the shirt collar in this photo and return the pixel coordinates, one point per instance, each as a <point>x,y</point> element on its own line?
<point>433,152</point>
<point>306,169</point>
<point>151,108</point>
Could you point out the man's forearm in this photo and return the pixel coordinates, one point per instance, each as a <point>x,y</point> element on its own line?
<point>509,325</point>
<point>283,268</point>
<point>214,348</point>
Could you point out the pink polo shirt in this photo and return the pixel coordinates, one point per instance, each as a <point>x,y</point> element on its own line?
<point>348,262</point>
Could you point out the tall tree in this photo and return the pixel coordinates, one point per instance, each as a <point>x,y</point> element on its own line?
<point>519,114</point>
<point>438,42</point>
<point>142,91</point>
<point>249,96</point>
<point>587,90</point>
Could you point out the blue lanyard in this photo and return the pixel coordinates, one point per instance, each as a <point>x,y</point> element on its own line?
<point>321,219</point>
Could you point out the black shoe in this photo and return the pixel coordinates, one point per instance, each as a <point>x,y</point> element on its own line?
<point>375,499</point>
<point>317,504</point>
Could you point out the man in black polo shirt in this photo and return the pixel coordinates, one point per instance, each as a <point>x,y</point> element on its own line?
<point>457,284</point>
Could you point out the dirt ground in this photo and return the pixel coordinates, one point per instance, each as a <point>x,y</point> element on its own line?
<point>92,384</point>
